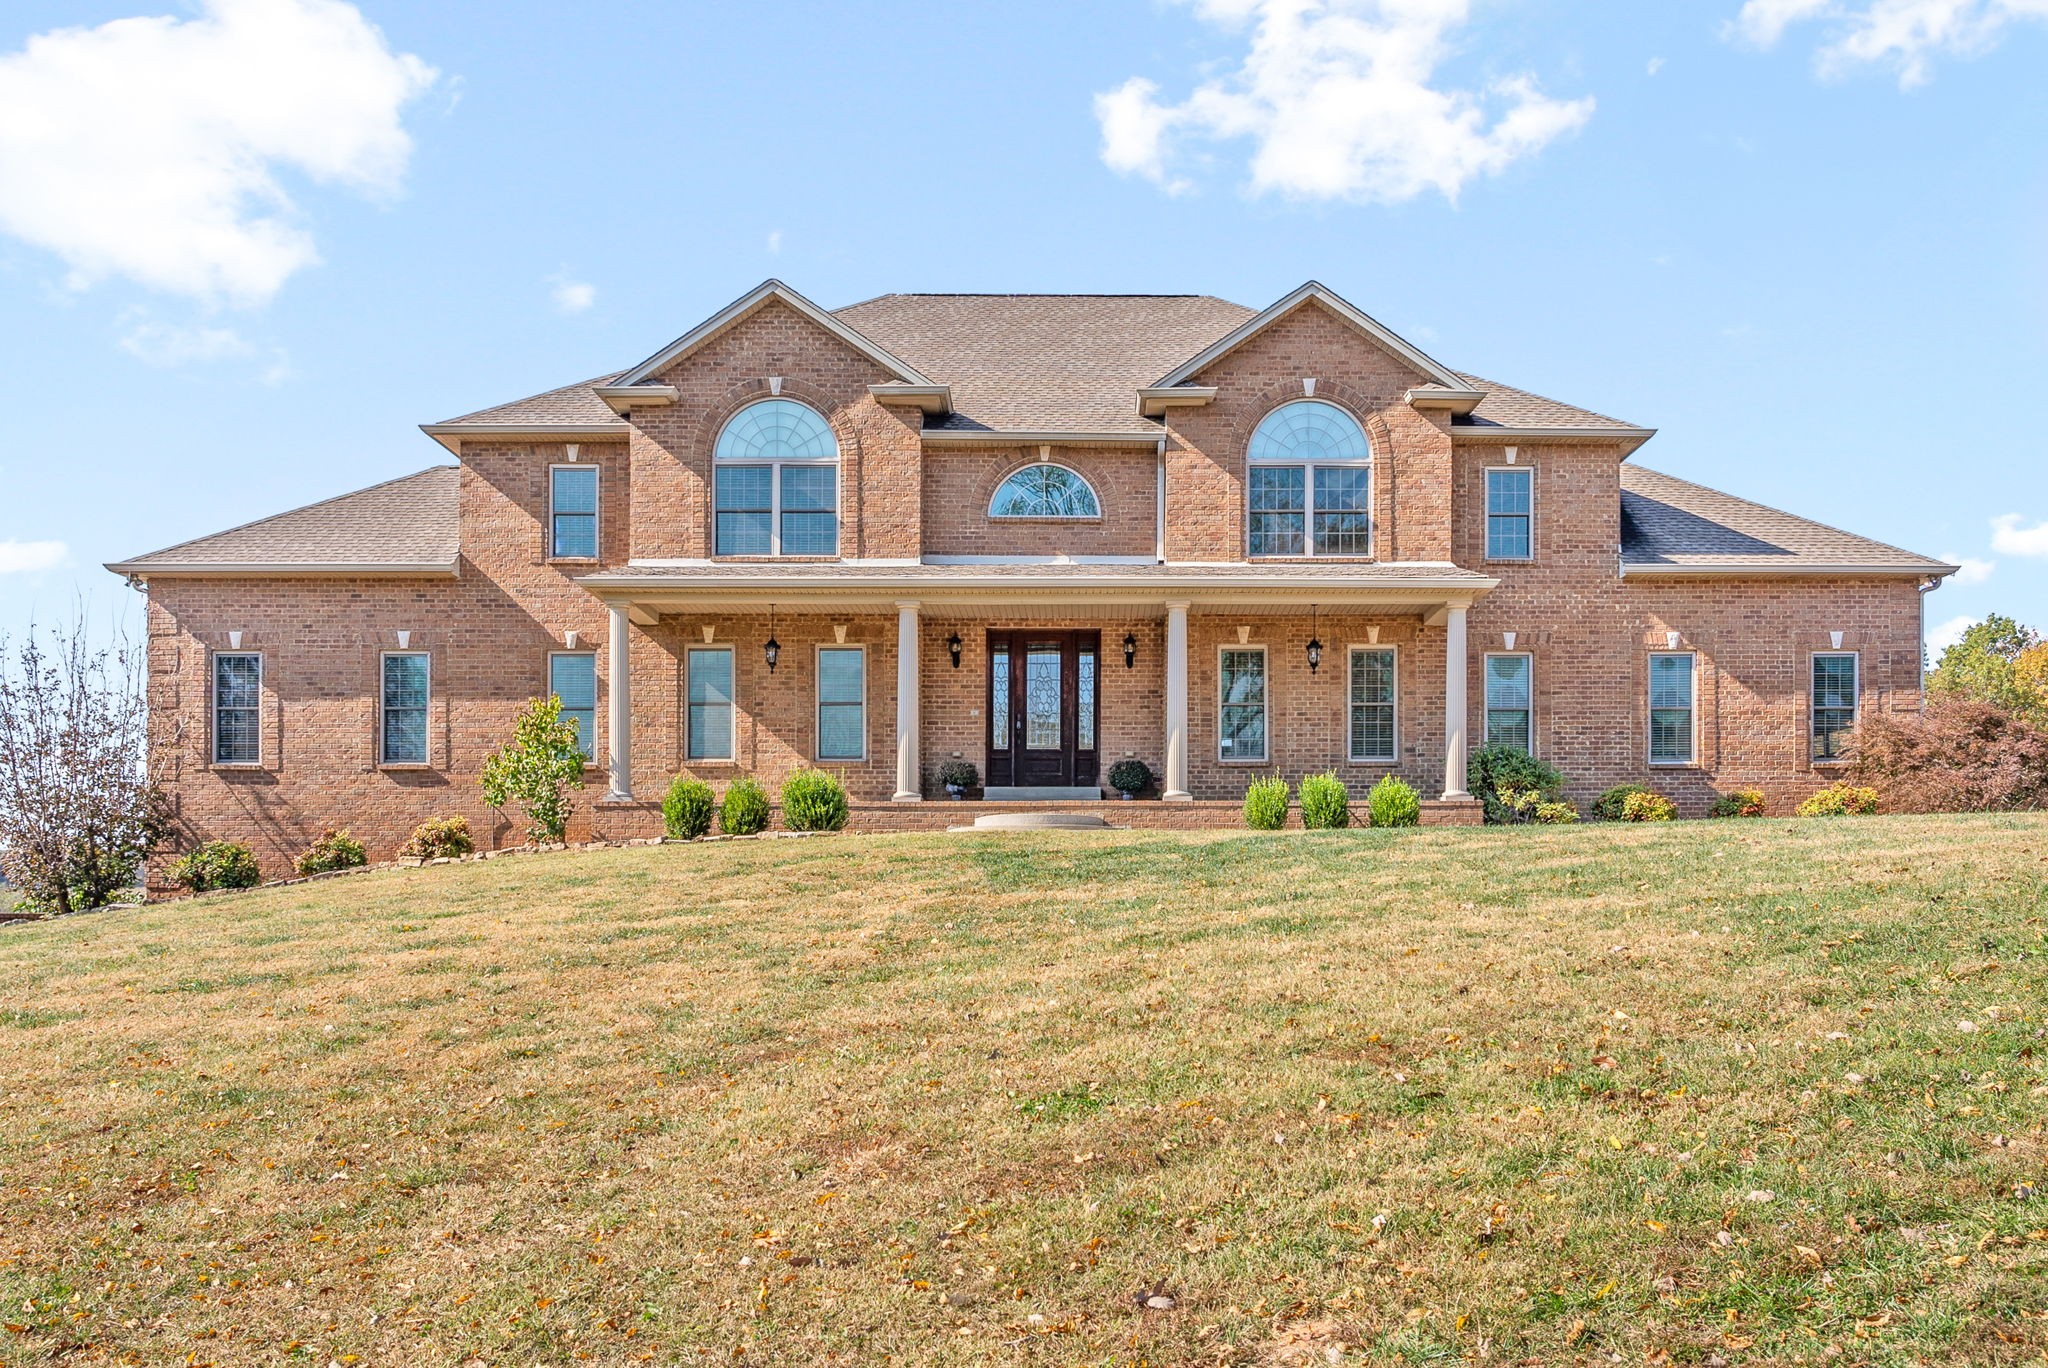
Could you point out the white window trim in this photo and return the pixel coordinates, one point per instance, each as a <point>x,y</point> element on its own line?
<point>596,511</point>
<point>597,704</point>
<point>1308,491</point>
<point>1350,669</point>
<point>1264,757</point>
<point>774,466</point>
<point>1486,514</point>
<point>1692,761</point>
<point>383,761</point>
<point>1086,483</point>
<point>818,704</point>
<point>1485,708</point>
<point>1813,706</point>
<point>213,710</point>
<point>688,653</point>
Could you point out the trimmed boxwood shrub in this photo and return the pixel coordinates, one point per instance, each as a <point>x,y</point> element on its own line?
<point>334,850</point>
<point>438,838</point>
<point>1494,768</point>
<point>217,864</point>
<point>686,808</point>
<point>744,811</point>
<point>1325,802</point>
<point>1738,803</point>
<point>1607,807</point>
<point>1840,800</point>
<point>1394,802</point>
<point>958,774</point>
<point>1265,804</point>
<point>813,800</point>
<point>1130,776</point>
<point>1648,807</point>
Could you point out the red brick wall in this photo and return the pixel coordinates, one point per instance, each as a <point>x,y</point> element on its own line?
<point>958,485</point>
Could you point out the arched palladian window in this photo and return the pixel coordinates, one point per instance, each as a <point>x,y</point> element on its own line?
<point>1045,491</point>
<point>1308,483</point>
<point>775,483</point>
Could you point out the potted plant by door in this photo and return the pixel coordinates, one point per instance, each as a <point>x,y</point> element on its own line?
<point>959,776</point>
<point>1130,777</point>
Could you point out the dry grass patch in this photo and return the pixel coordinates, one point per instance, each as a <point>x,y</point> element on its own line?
<point>1767,1092</point>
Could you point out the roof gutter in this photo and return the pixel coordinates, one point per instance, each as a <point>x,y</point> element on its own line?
<point>1494,433</point>
<point>145,570</point>
<point>452,435</point>
<point>1149,441</point>
<point>1804,570</point>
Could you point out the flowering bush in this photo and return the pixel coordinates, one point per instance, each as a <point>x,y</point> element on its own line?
<point>1840,800</point>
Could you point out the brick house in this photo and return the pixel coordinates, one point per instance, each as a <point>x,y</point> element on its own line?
<point>1039,533</point>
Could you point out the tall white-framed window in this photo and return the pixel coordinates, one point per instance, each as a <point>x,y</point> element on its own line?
<point>1241,703</point>
<point>1510,694</point>
<point>238,708</point>
<point>1308,483</point>
<point>1510,513</point>
<point>1373,678</point>
<point>572,512</point>
<point>709,681</point>
<point>1045,490</point>
<point>842,703</point>
<point>572,677</point>
<point>402,730</point>
<point>775,483</point>
<point>1836,693</point>
<point>1673,725</point>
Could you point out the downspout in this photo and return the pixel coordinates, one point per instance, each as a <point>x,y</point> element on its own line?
<point>1927,587</point>
<point>1159,509</point>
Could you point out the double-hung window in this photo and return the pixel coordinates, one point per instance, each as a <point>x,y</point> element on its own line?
<point>238,708</point>
<point>775,483</point>
<point>1509,506</point>
<point>842,703</point>
<point>404,730</point>
<point>1241,717</point>
<point>709,671</point>
<point>1308,483</point>
<point>572,512</point>
<point>572,677</point>
<point>1671,707</point>
<point>1372,703</point>
<point>1834,703</point>
<point>1508,693</point>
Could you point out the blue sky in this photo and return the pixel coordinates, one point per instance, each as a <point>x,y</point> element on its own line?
<point>247,246</point>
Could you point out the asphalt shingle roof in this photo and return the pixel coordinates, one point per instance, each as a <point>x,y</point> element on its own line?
<point>1666,521</point>
<point>577,403</point>
<point>410,521</point>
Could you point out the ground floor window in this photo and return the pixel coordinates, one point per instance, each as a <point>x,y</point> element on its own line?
<point>1242,719</point>
<point>1372,703</point>
<point>1834,703</point>
<point>572,677</point>
<point>406,677</point>
<point>710,728</point>
<point>1671,707</point>
<point>238,709</point>
<point>842,703</point>
<point>1508,692</point>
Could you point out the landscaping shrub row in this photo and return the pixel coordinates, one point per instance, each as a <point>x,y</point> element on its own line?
<point>1326,803</point>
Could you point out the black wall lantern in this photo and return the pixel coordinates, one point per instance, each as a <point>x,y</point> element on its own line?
<point>1130,651</point>
<point>953,645</point>
<point>771,648</point>
<point>1315,643</point>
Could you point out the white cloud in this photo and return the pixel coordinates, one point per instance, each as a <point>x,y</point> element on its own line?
<point>1656,65</point>
<point>573,296</point>
<point>20,557</point>
<point>167,344</point>
<point>775,241</point>
<point>1969,569</point>
<point>1339,100</point>
<point>2009,538</point>
<point>1943,635</point>
<point>1903,34</point>
<point>148,148</point>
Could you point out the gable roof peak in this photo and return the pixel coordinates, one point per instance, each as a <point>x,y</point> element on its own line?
<point>744,307</point>
<point>1317,292</point>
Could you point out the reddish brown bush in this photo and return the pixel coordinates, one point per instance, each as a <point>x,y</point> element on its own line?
<point>1961,755</point>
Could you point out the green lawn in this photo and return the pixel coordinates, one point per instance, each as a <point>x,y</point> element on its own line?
<point>1767,1092</point>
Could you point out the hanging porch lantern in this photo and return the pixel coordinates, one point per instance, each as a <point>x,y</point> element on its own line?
<point>1315,643</point>
<point>953,645</point>
<point>771,649</point>
<point>1130,651</point>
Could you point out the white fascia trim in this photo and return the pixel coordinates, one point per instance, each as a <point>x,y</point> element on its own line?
<point>1039,560</point>
<point>274,569</point>
<point>1490,433</point>
<point>1330,299</point>
<point>746,304</point>
<point>626,398</point>
<point>452,435</point>
<point>1006,437</point>
<point>1725,570</point>
<point>1155,400</point>
<point>1461,588</point>
<point>706,563</point>
<point>930,398</point>
<point>1458,401</point>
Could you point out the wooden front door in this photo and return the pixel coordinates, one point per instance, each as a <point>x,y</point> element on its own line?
<point>1044,708</point>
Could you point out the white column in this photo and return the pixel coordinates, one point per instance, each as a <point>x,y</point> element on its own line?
<point>619,719</point>
<point>909,786</point>
<point>1454,703</point>
<point>1177,704</point>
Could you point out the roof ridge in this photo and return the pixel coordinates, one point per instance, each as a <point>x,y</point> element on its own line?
<point>1040,294</point>
<point>302,508</point>
<point>1773,508</point>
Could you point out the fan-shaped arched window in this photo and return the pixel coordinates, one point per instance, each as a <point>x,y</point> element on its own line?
<point>775,483</point>
<point>1308,487</point>
<point>1045,491</point>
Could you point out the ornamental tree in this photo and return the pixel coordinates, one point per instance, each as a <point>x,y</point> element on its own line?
<point>536,769</point>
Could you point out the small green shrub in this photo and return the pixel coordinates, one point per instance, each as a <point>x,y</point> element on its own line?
<point>217,864</point>
<point>1648,807</point>
<point>1265,804</point>
<point>1840,800</point>
<point>334,850</point>
<point>744,811</point>
<point>1493,768</point>
<point>1558,813</point>
<point>1607,807</point>
<point>1130,776</point>
<point>1394,803</point>
<point>438,838</point>
<point>1738,803</point>
<point>686,808</point>
<point>959,774</point>
<point>812,800</point>
<point>1325,802</point>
